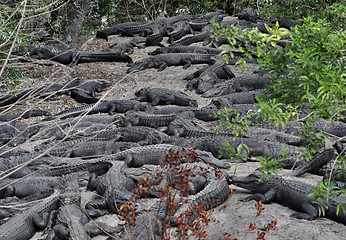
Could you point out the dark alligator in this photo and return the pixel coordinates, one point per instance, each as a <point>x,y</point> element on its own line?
<point>27,186</point>
<point>317,161</point>
<point>85,125</point>
<point>72,58</point>
<point>70,219</point>
<point>248,82</point>
<point>24,115</point>
<point>148,227</point>
<point>125,29</point>
<point>91,148</point>
<point>202,37</point>
<point>186,49</point>
<point>139,134</point>
<point>15,133</point>
<point>180,29</point>
<point>114,187</point>
<point>46,90</point>
<point>24,225</point>
<point>127,45</point>
<point>85,92</point>
<point>215,192</point>
<point>149,120</point>
<point>291,193</point>
<point>105,106</point>
<point>161,61</point>
<point>157,96</point>
<point>156,36</point>
<point>204,114</point>
<point>205,78</point>
<point>247,14</point>
<point>256,147</point>
<point>236,98</point>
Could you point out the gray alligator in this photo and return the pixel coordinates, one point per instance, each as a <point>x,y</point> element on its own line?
<point>242,83</point>
<point>70,219</point>
<point>161,61</point>
<point>24,115</point>
<point>149,120</point>
<point>24,225</point>
<point>72,58</point>
<point>125,29</point>
<point>205,78</point>
<point>105,106</point>
<point>139,134</point>
<point>114,186</point>
<point>127,45</point>
<point>164,96</point>
<point>291,193</point>
<point>154,154</point>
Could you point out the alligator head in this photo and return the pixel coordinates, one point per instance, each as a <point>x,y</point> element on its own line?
<point>252,182</point>
<point>138,66</point>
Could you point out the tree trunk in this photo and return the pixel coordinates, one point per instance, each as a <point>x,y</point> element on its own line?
<point>77,13</point>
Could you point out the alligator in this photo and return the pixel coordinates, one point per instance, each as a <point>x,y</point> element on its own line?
<point>85,92</point>
<point>127,45</point>
<point>291,193</point>
<point>205,78</point>
<point>256,147</point>
<point>204,114</point>
<point>150,120</point>
<point>15,133</point>
<point>94,166</point>
<point>71,58</point>
<point>125,29</point>
<point>84,125</point>
<point>148,227</point>
<point>105,106</point>
<point>243,83</point>
<point>201,23</point>
<point>164,96</point>
<point>236,98</point>
<point>209,186</point>
<point>180,29</point>
<point>317,161</point>
<point>334,129</point>
<point>23,187</point>
<point>114,187</point>
<point>139,134</point>
<point>215,192</point>
<point>186,49</point>
<point>202,37</point>
<point>24,115</point>
<point>156,36</point>
<point>91,148</point>
<point>161,61</point>
<point>24,225</point>
<point>70,219</point>
<point>247,14</point>
<point>154,154</point>
<point>45,90</point>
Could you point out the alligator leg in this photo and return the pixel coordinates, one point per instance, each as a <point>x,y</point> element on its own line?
<point>162,66</point>
<point>310,212</point>
<point>265,198</point>
<point>186,62</point>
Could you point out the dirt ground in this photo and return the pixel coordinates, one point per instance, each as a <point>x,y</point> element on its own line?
<point>233,217</point>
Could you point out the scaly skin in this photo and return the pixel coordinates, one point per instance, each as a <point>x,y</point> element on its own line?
<point>23,226</point>
<point>157,96</point>
<point>291,193</point>
<point>161,61</point>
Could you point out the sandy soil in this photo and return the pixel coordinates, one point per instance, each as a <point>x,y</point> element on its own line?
<point>233,216</point>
